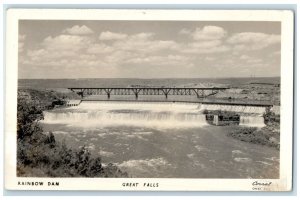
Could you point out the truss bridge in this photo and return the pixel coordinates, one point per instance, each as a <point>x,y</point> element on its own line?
<point>137,91</point>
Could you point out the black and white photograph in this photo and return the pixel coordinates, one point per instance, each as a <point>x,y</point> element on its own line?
<point>150,99</point>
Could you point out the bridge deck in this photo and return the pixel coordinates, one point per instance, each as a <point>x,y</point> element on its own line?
<point>257,104</point>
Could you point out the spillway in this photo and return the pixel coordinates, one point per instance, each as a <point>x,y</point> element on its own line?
<point>234,108</point>
<point>164,115</point>
<point>253,121</point>
<point>147,114</point>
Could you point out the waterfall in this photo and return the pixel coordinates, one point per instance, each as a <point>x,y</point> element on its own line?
<point>164,115</point>
<point>147,114</point>
<point>253,121</point>
<point>234,108</point>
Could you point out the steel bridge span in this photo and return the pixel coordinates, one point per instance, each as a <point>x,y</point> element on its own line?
<point>136,91</point>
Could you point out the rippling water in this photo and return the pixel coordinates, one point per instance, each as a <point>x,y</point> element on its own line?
<point>161,140</point>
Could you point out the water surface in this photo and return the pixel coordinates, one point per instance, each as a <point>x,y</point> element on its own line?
<point>160,140</point>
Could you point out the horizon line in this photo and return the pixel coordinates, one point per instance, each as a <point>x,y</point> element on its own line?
<point>153,78</point>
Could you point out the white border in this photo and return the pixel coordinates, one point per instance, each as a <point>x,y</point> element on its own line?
<point>286,18</point>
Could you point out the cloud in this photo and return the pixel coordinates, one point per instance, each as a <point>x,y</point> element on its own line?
<point>144,42</point>
<point>185,31</point>
<point>66,49</point>
<point>107,35</point>
<point>21,42</point>
<point>122,54</point>
<point>260,66</point>
<point>244,57</point>
<point>66,42</point>
<point>168,60</point>
<point>118,57</point>
<point>197,49</point>
<point>275,55</point>
<point>249,59</point>
<point>254,61</point>
<point>67,59</point>
<point>22,37</point>
<point>52,50</point>
<point>252,41</point>
<point>99,49</point>
<point>210,58</point>
<point>142,36</point>
<point>78,30</point>
<point>206,44</point>
<point>36,53</point>
<point>21,47</point>
<point>206,40</point>
<point>209,33</point>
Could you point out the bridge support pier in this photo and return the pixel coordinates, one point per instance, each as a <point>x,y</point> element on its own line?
<point>166,92</point>
<point>108,91</point>
<point>80,94</point>
<point>136,93</point>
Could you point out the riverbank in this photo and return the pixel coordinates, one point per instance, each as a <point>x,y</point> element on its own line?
<point>263,136</point>
<point>38,152</point>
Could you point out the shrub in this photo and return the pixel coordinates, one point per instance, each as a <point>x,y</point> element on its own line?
<point>270,117</point>
<point>252,135</point>
<point>39,154</point>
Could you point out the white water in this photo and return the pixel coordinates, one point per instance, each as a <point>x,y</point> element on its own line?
<point>160,140</point>
<point>103,114</point>
<point>256,121</point>
<point>234,108</point>
<point>144,114</point>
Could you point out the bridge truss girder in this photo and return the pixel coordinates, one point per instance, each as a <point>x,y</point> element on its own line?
<point>199,92</point>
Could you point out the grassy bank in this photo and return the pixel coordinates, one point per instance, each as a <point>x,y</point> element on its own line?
<point>39,154</point>
<point>263,136</point>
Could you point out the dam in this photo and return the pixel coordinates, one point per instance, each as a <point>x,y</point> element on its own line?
<point>154,113</point>
<point>163,139</point>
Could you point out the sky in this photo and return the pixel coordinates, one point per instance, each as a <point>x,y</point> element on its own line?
<point>60,49</point>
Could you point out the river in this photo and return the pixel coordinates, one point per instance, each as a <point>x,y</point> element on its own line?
<point>161,140</point>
